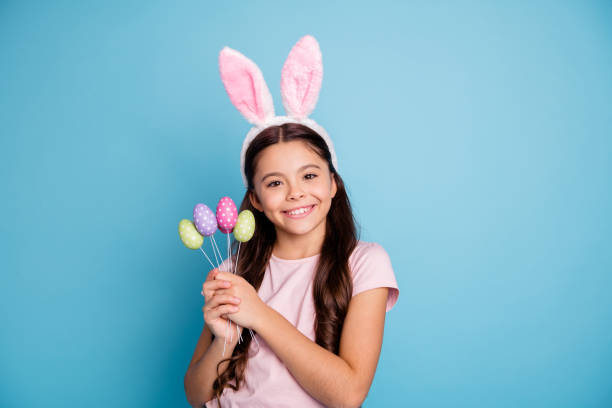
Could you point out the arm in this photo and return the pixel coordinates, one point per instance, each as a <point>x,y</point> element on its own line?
<point>202,370</point>
<point>346,378</point>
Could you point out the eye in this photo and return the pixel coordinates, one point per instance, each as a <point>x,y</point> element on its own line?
<point>310,176</point>
<point>272,183</point>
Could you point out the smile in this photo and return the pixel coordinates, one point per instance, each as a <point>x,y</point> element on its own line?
<point>299,212</point>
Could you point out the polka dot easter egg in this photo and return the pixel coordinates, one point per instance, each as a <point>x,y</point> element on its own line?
<point>189,235</point>
<point>227,214</point>
<point>245,226</point>
<point>204,220</point>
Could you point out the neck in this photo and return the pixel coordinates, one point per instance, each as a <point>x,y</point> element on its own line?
<point>292,246</point>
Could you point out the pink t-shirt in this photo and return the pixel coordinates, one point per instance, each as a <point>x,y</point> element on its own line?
<point>287,288</point>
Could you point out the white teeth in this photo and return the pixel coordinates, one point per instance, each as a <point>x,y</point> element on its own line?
<point>299,211</point>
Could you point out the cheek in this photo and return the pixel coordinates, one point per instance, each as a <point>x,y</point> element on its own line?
<point>271,199</point>
<point>324,191</point>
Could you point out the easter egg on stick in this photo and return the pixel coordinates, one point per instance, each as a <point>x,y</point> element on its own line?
<point>227,214</point>
<point>204,219</point>
<point>245,226</point>
<point>243,231</point>
<point>189,235</point>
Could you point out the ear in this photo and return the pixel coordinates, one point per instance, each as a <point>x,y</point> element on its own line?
<point>301,78</point>
<point>245,86</point>
<point>255,201</point>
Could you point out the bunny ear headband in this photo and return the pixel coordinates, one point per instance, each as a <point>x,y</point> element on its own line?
<point>301,79</point>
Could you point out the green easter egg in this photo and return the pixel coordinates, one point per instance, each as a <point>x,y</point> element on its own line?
<point>245,226</point>
<point>189,235</point>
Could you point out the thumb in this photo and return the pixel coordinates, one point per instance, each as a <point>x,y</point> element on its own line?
<point>212,274</point>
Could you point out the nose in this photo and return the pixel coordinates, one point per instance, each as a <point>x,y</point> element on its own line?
<point>295,193</point>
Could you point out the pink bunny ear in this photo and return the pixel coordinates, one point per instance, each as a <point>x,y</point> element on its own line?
<point>245,86</point>
<point>301,78</point>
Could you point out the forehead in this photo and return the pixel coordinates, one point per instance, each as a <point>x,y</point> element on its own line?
<point>287,156</point>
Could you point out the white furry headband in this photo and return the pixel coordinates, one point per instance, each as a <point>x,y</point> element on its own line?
<point>301,79</point>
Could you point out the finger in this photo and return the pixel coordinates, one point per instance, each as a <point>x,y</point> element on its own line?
<point>213,314</point>
<point>226,276</point>
<point>216,284</point>
<point>209,288</point>
<point>211,275</point>
<point>217,300</point>
<point>226,291</point>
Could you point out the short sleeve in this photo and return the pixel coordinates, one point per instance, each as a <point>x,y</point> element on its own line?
<point>371,268</point>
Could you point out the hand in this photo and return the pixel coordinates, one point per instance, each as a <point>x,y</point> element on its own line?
<point>252,308</point>
<point>218,305</point>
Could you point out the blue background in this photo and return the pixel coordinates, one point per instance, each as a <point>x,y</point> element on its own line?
<point>474,139</point>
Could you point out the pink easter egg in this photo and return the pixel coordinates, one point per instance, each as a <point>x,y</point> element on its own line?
<point>227,214</point>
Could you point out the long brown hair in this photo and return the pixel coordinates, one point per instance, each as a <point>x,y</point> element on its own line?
<point>332,285</point>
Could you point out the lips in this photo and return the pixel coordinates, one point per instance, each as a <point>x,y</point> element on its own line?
<point>299,212</point>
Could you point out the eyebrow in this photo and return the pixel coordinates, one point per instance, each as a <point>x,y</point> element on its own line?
<point>276,173</point>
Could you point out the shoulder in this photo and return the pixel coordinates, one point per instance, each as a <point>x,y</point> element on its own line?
<point>365,251</point>
<point>368,256</point>
<point>371,268</point>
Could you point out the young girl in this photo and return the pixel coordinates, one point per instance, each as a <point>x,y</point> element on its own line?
<point>314,295</point>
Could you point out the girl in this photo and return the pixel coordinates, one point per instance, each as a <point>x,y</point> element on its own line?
<point>312,293</point>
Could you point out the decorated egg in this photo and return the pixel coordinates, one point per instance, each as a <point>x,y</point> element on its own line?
<point>226,215</point>
<point>189,235</point>
<point>245,226</point>
<point>204,220</point>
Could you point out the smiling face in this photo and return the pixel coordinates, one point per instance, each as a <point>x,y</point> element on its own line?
<point>294,188</point>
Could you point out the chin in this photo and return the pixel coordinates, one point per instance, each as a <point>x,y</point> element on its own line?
<point>305,228</point>
<point>300,231</point>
